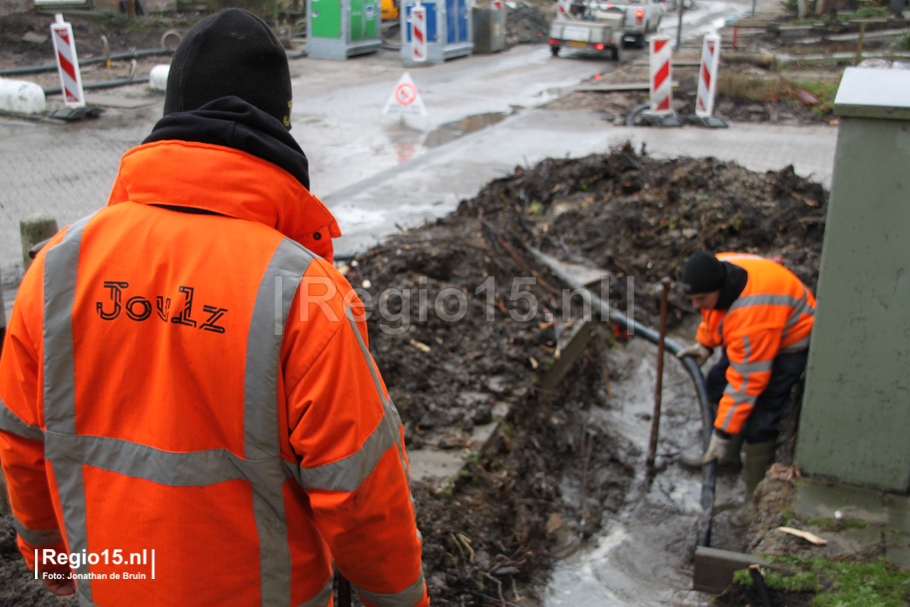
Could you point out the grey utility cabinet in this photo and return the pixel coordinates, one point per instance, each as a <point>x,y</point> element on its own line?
<point>855,421</point>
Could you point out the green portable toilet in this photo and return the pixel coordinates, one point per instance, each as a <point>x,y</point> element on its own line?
<point>338,29</point>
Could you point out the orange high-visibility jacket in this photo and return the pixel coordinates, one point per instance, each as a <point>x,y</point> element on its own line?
<point>199,385</point>
<point>773,314</point>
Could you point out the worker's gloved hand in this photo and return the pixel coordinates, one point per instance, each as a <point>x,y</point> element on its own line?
<point>699,352</point>
<point>718,448</point>
<point>64,587</point>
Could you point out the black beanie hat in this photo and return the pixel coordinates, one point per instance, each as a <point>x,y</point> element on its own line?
<point>232,52</point>
<point>703,273</point>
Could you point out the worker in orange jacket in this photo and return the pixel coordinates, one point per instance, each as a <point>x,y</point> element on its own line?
<point>191,415</point>
<point>761,315</point>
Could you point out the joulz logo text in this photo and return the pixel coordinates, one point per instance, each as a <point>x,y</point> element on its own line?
<point>138,308</point>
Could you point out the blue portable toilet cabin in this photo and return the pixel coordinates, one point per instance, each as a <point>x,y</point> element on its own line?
<point>450,32</point>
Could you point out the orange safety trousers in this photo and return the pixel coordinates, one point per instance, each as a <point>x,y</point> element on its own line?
<point>774,314</point>
<point>194,393</point>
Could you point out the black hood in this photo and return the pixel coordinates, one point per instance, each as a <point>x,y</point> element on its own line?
<point>734,283</point>
<point>232,122</point>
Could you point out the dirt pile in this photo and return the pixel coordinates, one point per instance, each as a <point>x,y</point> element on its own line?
<point>636,216</point>
<point>526,24</point>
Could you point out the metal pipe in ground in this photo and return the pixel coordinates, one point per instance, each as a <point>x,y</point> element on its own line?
<point>52,67</point>
<point>679,26</point>
<point>859,44</point>
<point>107,84</point>
<point>655,418</point>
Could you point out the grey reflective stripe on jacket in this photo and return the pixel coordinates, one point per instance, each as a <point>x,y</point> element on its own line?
<point>12,423</point>
<point>406,598</point>
<point>37,537</point>
<point>799,305</point>
<point>745,369</point>
<point>262,467</point>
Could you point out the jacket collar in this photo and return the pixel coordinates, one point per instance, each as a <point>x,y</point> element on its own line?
<point>226,181</point>
<point>734,282</point>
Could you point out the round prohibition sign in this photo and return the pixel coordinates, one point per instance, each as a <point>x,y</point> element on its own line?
<point>405,94</point>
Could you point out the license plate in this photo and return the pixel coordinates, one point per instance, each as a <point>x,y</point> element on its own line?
<point>577,43</point>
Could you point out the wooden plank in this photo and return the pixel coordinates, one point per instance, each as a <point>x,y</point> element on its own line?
<point>714,568</point>
<point>567,358</point>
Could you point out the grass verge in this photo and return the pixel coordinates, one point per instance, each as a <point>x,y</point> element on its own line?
<point>841,583</point>
<point>772,90</point>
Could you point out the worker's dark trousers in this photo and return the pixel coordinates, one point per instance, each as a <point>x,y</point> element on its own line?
<point>761,425</point>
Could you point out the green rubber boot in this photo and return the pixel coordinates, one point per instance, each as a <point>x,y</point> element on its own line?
<point>731,463</point>
<point>759,458</point>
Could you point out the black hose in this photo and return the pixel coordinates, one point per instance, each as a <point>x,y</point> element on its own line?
<point>107,84</point>
<point>50,67</point>
<point>709,471</point>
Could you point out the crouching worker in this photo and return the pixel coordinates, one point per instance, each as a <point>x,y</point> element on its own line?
<point>761,315</point>
<point>191,415</point>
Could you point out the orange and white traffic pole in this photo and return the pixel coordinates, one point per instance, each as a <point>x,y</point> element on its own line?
<point>707,76</point>
<point>67,62</point>
<point>418,24</point>
<point>661,81</point>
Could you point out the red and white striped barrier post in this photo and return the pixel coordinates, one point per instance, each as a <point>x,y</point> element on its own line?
<point>419,33</point>
<point>67,62</point>
<point>564,9</point>
<point>661,76</point>
<point>707,76</point>
<point>497,4</point>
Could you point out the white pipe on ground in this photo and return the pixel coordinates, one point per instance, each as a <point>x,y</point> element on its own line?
<point>158,77</point>
<point>21,97</point>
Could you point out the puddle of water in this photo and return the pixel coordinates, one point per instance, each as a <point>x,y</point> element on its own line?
<point>453,130</point>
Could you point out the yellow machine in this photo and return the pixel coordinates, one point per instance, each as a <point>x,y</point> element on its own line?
<point>389,9</point>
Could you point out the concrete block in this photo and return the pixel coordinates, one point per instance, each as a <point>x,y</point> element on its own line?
<point>33,230</point>
<point>822,500</point>
<point>714,568</point>
<point>430,463</point>
<point>897,513</point>
<point>897,549</point>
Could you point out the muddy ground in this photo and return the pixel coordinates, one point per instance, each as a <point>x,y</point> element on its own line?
<point>500,522</point>
<point>123,35</point>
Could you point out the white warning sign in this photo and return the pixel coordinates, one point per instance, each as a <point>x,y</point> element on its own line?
<point>405,99</point>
